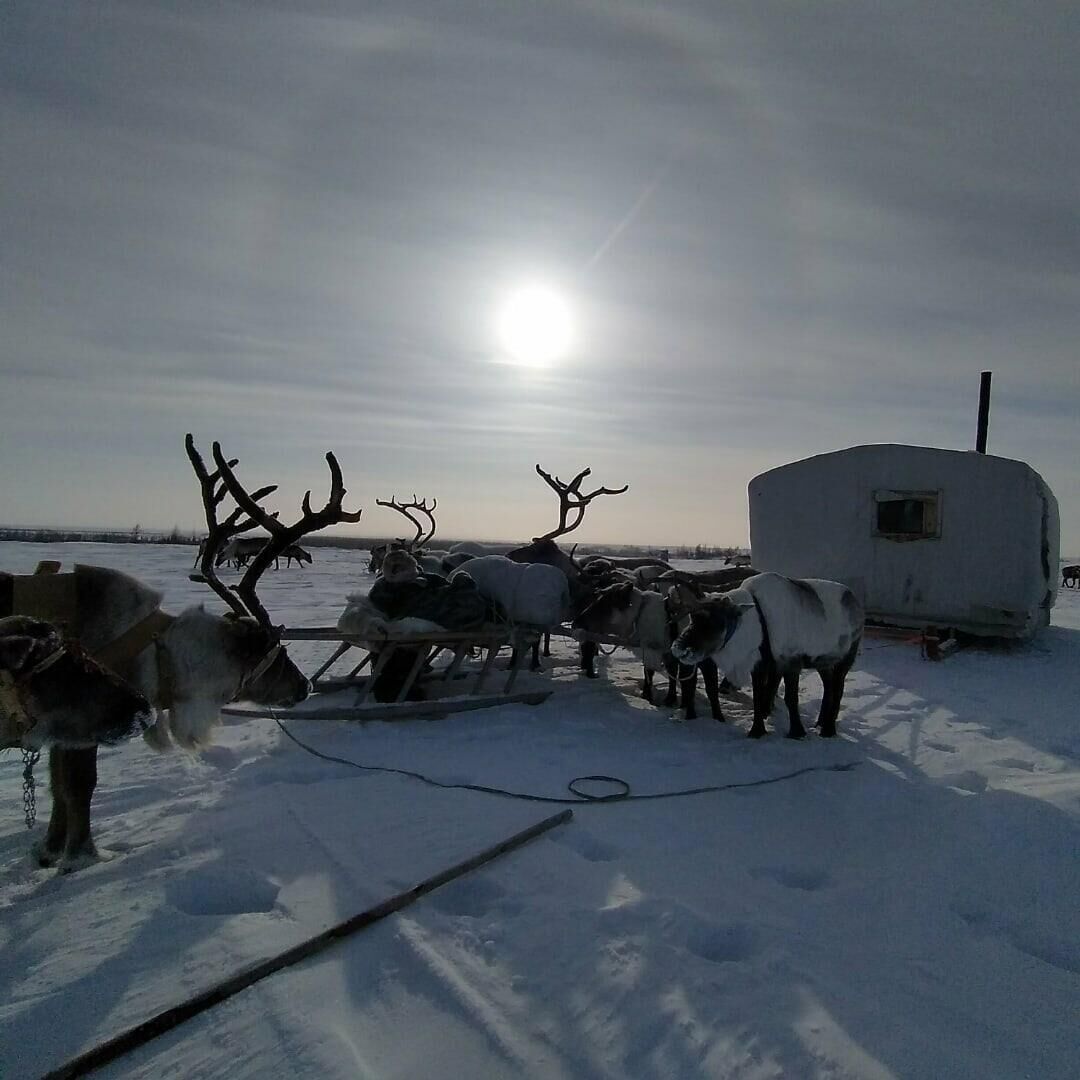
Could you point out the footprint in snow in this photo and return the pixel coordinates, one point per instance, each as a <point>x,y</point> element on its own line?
<point>804,878</point>
<point>944,747</point>
<point>221,757</point>
<point>676,925</point>
<point>971,782</point>
<point>729,943</point>
<point>1057,952</point>
<point>1014,763</point>
<point>586,845</point>
<point>222,891</point>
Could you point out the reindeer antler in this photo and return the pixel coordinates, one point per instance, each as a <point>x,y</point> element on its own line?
<point>281,536</point>
<point>572,499</point>
<point>218,534</point>
<point>419,540</point>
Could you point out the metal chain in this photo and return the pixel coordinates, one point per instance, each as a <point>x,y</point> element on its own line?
<point>30,759</point>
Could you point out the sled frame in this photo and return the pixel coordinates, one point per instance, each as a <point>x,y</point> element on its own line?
<point>375,653</point>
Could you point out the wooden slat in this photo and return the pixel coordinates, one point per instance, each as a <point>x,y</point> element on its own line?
<point>331,633</point>
<point>407,709</point>
<point>418,663</point>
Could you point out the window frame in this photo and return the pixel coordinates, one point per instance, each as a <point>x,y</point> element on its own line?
<point>932,502</point>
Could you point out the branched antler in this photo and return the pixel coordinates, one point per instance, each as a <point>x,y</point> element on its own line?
<point>281,536</point>
<point>572,500</point>
<point>244,599</point>
<point>219,533</point>
<point>419,540</point>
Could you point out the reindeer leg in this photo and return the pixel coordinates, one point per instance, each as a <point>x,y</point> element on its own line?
<point>672,667</point>
<point>710,676</point>
<point>646,685</point>
<point>688,679</point>
<point>766,680</point>
<point>791,700</point>
<point>80,779</point>
<point>589,649</point>
<point>48,851</point>
<point>547,643</point>
<point>834,692</point>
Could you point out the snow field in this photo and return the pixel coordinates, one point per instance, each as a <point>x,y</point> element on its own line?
<point>914,916</point>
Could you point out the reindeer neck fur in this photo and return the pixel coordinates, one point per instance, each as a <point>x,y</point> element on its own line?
<point>742,651</point>
<point>193,678</point>
<point>647,627</point>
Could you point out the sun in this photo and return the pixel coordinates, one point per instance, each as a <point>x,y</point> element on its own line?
<point>534,327</point>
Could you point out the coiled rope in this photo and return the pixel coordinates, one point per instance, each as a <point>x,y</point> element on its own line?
<point>622,795</point>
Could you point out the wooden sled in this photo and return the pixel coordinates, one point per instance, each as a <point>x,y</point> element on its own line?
<point>461,690</point>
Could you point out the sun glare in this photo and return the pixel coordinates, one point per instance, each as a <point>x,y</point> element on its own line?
<point>534,327</point>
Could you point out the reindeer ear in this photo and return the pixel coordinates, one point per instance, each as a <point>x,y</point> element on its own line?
<point>685,597</point>
<point>15,651</point>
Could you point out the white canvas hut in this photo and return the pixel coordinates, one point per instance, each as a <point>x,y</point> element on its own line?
<point>925,537</point>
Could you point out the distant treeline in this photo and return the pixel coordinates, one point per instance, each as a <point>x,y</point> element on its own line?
<point>134,535</point>
<point>137,535</point>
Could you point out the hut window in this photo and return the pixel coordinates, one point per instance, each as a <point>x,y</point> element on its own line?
<point>907,515</point>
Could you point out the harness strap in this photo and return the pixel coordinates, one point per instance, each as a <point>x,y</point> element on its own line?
<point>260,669</point>
<point>123,649</point>
<point>766,643</point>
<point>44,665</point>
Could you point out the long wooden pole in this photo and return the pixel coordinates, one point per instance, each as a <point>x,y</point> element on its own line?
<point>168,1019</point>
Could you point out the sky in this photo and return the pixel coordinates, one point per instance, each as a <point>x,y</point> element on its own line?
<point>778,229</point>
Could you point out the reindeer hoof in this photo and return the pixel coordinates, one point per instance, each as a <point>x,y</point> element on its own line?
<point>756,733</point>
<point>45,857</point>
<point>796,734</point>
<point>73,863</point>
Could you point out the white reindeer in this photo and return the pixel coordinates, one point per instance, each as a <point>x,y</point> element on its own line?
<point>770,629</point>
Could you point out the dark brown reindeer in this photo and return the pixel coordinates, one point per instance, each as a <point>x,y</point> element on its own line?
<point>53,693</point>
<point>573,503</point>
<point>189,665</point>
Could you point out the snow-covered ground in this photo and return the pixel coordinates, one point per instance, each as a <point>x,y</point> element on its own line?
<point>915,916</point>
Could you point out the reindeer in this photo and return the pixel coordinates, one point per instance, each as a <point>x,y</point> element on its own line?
<point>430,561</point>
<point>187,665</point>
<point>648,622</point>
<point>543,549</point>
<point>1070,577</point>
<point>239,551</point>
<point>768,630</point>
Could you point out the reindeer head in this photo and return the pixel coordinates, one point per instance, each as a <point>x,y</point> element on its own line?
<point>611,611</point>
<point>248,637</point>
<point>713,623</point>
